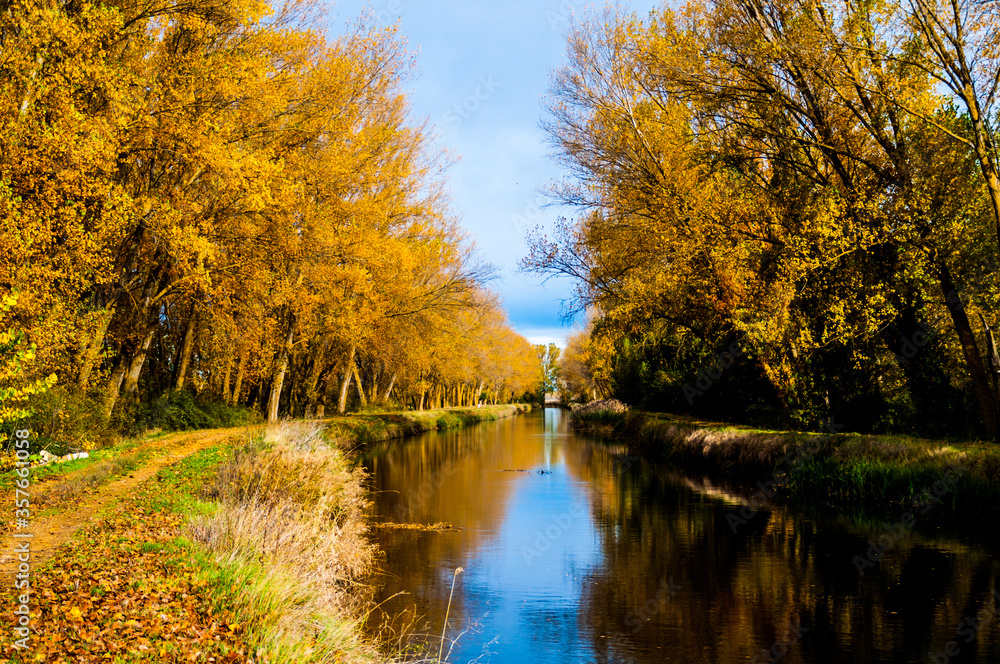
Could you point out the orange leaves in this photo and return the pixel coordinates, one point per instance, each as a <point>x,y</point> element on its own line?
<point>121,591</point>
<point>161,160</point>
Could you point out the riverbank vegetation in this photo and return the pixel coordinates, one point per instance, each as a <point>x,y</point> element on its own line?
<point>789,213</point>
<point>210,210</point>
<point>365,428</point>
<point>872,472</point>
<point>254,547</point>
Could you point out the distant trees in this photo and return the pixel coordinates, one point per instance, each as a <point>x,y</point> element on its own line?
<point>212,196</point>
<point>579,369</point>
<point>548,362</point>
<point>788,176</point>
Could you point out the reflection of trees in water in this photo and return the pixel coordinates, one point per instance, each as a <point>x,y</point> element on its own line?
<point>731,597</point>
<point>449,477</point>
<point>739,593</point>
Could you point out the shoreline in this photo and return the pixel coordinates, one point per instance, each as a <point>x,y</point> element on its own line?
<point>251,547</point>
<point>869,472</point>
<point>356,431</point>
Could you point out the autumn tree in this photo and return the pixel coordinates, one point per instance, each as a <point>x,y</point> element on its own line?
<point>212,197</point>
<point>761,173</point>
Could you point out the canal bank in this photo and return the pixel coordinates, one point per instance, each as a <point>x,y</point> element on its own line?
<point>841,469</point>
<point>565,549</point>
<point>359,430</point>
<point>227,545</point>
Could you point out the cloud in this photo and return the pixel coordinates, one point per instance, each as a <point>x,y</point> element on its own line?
<point>554,335</point>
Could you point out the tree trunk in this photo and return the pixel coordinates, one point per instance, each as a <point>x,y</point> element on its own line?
<point>357,383</point>
<point>991,353</point>
<point>279,375</point>
<point>26,100</point>
<point>187,348</point>
<point>373,389</point>
<point>225,380</point>
<point>88,357</point>
<point>240,373</point>
<point>984,155</point>
<point>423,393</point>
<point>388,390</point>
<point>138,361</point>
<point>312,384</point>
<point>114,386</point>
<point>970,349</point>
<point>145,311</point>
<point>346,385</point>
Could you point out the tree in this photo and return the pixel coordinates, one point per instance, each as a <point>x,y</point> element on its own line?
<point>15,389</point>
<point>761,173</point>
<point>548,361</point>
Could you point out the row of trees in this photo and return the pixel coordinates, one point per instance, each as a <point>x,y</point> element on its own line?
<point>211,194</point>
<point>816,182</point>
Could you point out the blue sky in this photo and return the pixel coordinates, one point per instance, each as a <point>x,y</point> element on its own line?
<point>484,68</point>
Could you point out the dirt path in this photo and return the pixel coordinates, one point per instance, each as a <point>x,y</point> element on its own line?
<point>51,531</point>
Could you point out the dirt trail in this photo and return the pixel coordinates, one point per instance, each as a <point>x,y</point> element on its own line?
<point>51,531</point>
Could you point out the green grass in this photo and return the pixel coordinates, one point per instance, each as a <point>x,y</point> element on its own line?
<point>279,610</point>
<point>56,470</point>
<point>367,428</point>
<point>149,542</point>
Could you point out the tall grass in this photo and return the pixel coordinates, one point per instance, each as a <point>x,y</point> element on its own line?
<point>359,430</point>
<point>289,532</point>
<point>286,547</point>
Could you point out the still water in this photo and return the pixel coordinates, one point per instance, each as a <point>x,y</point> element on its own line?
<point>573,551</point>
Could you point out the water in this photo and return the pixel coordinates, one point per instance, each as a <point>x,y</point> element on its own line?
<point>603,558</point>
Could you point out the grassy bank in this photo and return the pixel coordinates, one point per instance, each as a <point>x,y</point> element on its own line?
<point>376,427</point>
<point>831,468</point>
<point>250,550</point>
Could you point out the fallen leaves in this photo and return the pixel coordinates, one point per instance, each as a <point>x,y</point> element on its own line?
<point>125,588</point>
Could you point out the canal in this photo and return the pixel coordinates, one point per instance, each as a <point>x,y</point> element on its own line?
<point>572,551</point>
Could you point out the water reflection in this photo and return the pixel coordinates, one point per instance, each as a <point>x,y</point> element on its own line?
<point>601,558</point>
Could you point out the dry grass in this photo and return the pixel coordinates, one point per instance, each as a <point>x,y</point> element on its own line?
<point>291,517</point>
<point>438,527</point>
<point>89,478</point>
<point>288,539</point>
<point>356,431</point>
<point>838,468</point>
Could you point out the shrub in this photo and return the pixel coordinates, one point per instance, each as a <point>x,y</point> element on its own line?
<point>67,420</point>
<point>182,410</point>
<point>288,496</point>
